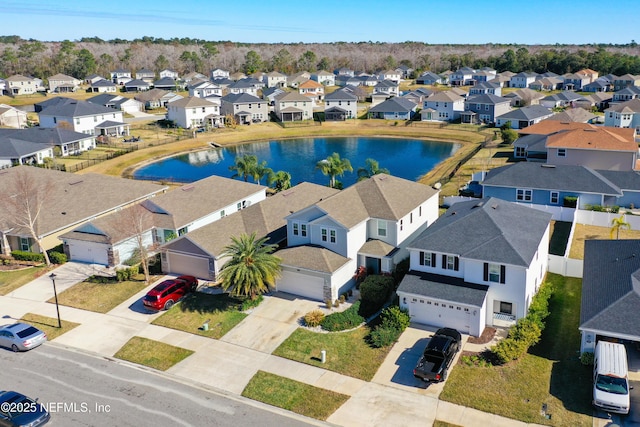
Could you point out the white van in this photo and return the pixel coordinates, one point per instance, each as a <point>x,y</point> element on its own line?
<point>610,378</point>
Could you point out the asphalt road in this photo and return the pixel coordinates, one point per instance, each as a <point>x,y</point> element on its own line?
<point>86,390</point>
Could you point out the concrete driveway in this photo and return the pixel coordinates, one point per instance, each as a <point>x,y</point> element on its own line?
<point>397,369</point>
<point>268,325</point>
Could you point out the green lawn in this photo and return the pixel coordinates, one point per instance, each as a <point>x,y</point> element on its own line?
<point>221,311</point>
<point>12,280</point>
<point>348,353</point>
<point>438,423</point>
<point>49,325</point>
<point>549,374</point>
<point>99,297</point>
<point>293,396</point>
<point>154,354</point>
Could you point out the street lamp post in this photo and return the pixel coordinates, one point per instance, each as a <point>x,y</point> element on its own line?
<point>53,276</point>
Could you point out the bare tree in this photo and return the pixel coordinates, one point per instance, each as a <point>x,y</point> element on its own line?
<point>135,223</point>
<point>24,202</point>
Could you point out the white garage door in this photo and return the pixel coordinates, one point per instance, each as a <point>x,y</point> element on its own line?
<point>188,264</point>
<point>439,314</point>
<point>300,284</point>
<point>93,253</point>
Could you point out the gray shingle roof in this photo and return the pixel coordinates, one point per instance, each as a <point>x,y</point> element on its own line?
<point>74,108</point>
<point>611,287</point>
<point>394,104</point>
<point>487,229</point>
<point>451,289</point>
<point>551,177</point>
<point>487,98</point>
<point>241,98</point>
<point>530,112</point>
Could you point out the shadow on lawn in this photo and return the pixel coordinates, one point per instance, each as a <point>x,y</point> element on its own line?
<point>207,303</point>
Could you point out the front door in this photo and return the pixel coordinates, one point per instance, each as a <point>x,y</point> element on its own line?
<point>374,265</point>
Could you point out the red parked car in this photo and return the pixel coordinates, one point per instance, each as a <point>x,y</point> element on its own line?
<point>167,293</point>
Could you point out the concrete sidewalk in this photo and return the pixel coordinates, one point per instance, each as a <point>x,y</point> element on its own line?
<point>228,364</point>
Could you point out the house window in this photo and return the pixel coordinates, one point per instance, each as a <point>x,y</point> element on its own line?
<point>332,236</point>
<point>428,259</point>
<point>239,206</point>
<point>324,233</point>
<point>495,273</point>
<point>506,307</point>
<point>401,224</point>
<point>486,107</point>
<point>555,197</point>
<point>222,213</point>
<point>523,195</point>
<point>521,152</point>
<point>411,218</point>
<point>296,227</point>
<point>382,228</point>
<point>182,231</point>
<point>562,152</point>
<point>303,230</point>
<point>24,244</point>
<point>419,210</point>
<point>450,262</point>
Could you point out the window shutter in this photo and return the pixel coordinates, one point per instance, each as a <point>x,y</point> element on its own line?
<point>421,258</point>
<point>433,260</point>
<point>503,272</point>
<point>486,271</point>
<point>444,261</point>
<point>456,263</point>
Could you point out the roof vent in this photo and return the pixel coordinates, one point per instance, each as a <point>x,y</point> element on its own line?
<point>76,182</point>
<point>478,205</point>
<point>547,165</point>
<point>188,188</point>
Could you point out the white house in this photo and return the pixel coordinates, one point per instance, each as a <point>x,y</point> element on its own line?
<point>22,85</point>
<point>193,112</point>
<point>12,117</point>
<point>204,89</point>
<point>341,105</point>
<point>443,106</point>
<point>275,79</point>
<point>83,117</point>
<point>324,78</point>
<point>121,76</point>
<point>368,224</point>
<point>478,265</point>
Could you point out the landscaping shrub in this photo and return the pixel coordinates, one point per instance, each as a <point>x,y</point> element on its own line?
<point>343,320</point>
<point>395,317</point>
<point>57,257</point>
<point>313,318</point>
<point>401,269</point>
<point>570,202</point>
<point>125,274</point>
<point>27,256</point>
<point>374,292</point>
<point>383,336</point>
<point>508,349</point>
<point>587,358</point>
<point>539,307</point>
<point>248,303</point>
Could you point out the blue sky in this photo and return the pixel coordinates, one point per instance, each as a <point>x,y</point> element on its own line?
<point>274,21</point>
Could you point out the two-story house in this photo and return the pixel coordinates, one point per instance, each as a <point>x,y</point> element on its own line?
<point>624,115</point>
<point>103,86</point>
<point>204,89</point>
<point>481,87</point>
<point>597,147</point>
<point>219,73</point>
<point>293,107</point>
<point>245,108</point>
<point>121,76</point>
<point>394,76</point>
<point>443,106</point>
<point>243,86</point>
<point>478,265</point>
<point>387,87</point>
<point>312,90</point>
<point>83,117</point>
<point>107,241</point>
<point>168,72</point>
<point>575,81</point>
<point>625,81</point>
<point>368,224</point>
<point>193,112</point>
<point>146,75</point>
<point>275,79</point>
<point>23,85</point>
<point>484,108</point>
<point>622,95</point>
<point>462,77</point>
<point>340,105</point>
<point>324,78</point>
<point>522,80</point>
<point>61,83</point>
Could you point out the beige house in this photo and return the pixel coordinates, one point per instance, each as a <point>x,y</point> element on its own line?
<point>12,117</point>
<point>61,83</point>
<point>293,107</point>
<point>22,85</point>
<point>69,201</point>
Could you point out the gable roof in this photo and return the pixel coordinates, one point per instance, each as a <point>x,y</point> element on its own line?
<point>266,218</point>
<point>310,257</point>
<point>630,106</point>
<point>242,98</point>
<point>292,97</point>
<point>445,96</point>
<point>487,98</point>
<point>529,112</point>
<point>447,288</point>
<point>75,108</point>
<point>489,229</point>
<point>595,138</point>
<point>44,136</point>
<point>395,104</point>
<point>579,115</point>
<point>151,95</point>
<point>551,177</point>
<point>341,95</point>
<point>610,300</point>
<point>190,102</point>
<point>200,198</point>
<point>311,84</point>
<point>381,196</point>
<point>75,198</point>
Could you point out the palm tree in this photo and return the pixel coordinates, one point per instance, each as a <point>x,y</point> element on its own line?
<point>334,166</point>
<point>617,224</point>
<point>281,181</point>
<point>371,168</point>
<point>252,268</point>
<point>244,166</point>
<point>260,171</point>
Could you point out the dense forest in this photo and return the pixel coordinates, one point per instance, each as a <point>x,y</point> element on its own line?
<point>94,55</point>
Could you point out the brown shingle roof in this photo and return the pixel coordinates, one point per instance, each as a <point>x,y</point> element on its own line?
<point>314,258</point>
<point>595,138</point>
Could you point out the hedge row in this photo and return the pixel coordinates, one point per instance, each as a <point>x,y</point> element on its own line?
<point>527,331</point>
<point>343,320</point>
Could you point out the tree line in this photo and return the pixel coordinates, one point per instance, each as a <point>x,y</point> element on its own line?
<point>92,55</point>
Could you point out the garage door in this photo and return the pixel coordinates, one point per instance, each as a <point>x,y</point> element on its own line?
<point>300,284</point>
<point>93,253</point>
<point>188,264</point>
<point>439,314</point>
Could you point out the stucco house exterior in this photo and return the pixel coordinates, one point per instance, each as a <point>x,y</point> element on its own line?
<point>478,265</point>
